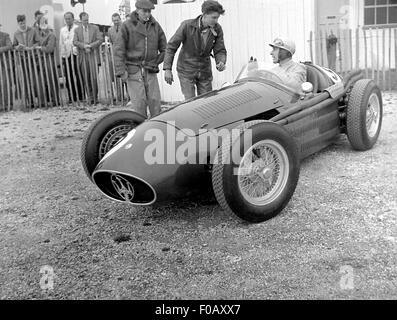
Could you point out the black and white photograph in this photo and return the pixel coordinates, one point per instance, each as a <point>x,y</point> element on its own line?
<point>198,150</point>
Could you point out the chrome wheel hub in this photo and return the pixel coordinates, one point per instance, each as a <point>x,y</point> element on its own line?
<point>373,115</point>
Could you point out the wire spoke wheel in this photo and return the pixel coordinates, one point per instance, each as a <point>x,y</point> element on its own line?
<point>104,134</point>
<point>260,183</point>
<point>112,138</point>
<point>262,179</point>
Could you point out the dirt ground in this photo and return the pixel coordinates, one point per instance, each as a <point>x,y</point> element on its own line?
<point>337,239</point>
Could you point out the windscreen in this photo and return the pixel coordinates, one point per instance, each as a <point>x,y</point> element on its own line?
<point>262,70</point>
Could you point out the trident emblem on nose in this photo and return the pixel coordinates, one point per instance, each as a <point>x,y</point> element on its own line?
<point>123,187</point>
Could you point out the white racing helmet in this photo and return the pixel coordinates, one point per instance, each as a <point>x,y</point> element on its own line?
<point>285,44</point>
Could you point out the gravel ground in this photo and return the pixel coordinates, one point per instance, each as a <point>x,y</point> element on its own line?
<point>336,239</point>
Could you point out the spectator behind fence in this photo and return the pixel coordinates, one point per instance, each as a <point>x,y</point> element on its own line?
<point>113,33</point>
<point>5,89</point>
<point>47,45</point>
<point>88,39</point>
<point>69,59</point>
<point>37,17</point>
<point>25,40</point>
<point>200,37</point>
<point>138,52</point>
<point>115,30</point>
<point>5,42</point>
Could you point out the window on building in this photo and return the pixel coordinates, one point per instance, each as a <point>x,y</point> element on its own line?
<point>380,12</point>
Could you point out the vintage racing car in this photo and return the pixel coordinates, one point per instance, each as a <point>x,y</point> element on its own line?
<point>134,160</point>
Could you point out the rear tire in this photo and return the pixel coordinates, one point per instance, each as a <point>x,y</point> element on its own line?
<point>364,115</point>
<point>257,188</point>
<point>104,134</point>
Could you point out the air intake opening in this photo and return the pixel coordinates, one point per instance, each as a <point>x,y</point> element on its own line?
<point>124,188</point>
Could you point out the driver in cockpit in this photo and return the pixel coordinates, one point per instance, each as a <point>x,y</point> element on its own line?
<point>292,74</point>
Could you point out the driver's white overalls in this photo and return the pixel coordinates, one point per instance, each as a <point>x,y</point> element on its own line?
<point>292,74</point>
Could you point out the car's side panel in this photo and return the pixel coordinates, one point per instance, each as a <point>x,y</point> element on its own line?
<point>317,130</point>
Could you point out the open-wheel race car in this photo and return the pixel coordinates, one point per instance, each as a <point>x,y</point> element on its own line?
<point>141,162</point>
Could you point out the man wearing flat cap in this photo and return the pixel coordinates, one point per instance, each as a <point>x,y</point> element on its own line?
<point>139,50</point>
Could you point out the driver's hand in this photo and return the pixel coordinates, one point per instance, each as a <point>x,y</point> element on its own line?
<point>169,78</point>
<point>221,66</point>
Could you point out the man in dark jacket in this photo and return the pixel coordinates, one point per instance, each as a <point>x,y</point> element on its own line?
<point>138,51</point>
<point>200,38</point>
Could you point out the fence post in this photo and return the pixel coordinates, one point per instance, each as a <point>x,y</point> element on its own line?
<point>377,58</point>
<point>325,53</point>
<point>103,70</point>
<point>69,83</point>
<point>46,69</point>
<point>384,60</point>
<point>357,48</point>
<point>54,81</point>
<point>395,50</point>
<point>30,79</point>
<point>8,77</point>
<point>91,77</point>
<point>85,78</point>
<point>62,76</point>
<point>119,89</point>
<point>95,74</point>
<point>6,85</point>
<point>75,62</point>
<point>321,48</point>
<point>311,48</point>
<point>21,79</point>
<point>57,75</point>
<point>340,51</point>
<point>37,78</point>
<point>372,55</point>
<point>73,84</point>
<point>366,53</point>
<point>43,82</point>
<point>14,83</point>
<point>350,35</point>
<point>389,80</point>
<point>2,93</point>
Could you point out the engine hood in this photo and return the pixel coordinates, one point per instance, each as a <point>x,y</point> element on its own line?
<point>222,107</point>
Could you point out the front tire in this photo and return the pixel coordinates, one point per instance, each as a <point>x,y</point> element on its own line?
<point>104,134</point>
<point>364,115</point>
<point>260,185</point>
